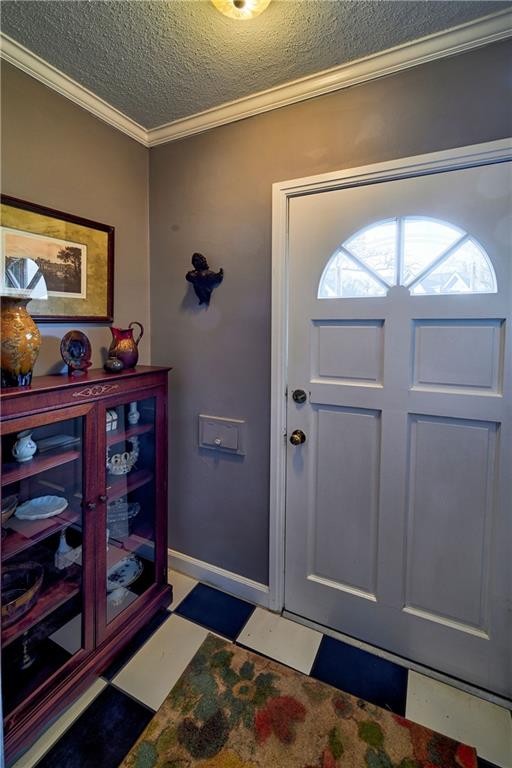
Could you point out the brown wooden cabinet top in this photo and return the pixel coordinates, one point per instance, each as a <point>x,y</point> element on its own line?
<point>95,376</point>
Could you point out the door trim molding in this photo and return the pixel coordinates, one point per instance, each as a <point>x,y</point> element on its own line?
<point>282,192</point>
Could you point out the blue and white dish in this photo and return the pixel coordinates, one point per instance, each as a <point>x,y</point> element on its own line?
<point>124,573</point>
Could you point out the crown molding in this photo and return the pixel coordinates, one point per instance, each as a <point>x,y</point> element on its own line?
<point>20,57</point>
<point>473,34</point>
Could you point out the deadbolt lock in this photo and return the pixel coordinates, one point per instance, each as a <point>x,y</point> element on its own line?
<point>299,396</point>
<point>297,437</point>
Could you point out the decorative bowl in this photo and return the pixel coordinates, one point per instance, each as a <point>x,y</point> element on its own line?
<point>9,504</point>
<point>113,365</point>
<point>21,584</point>
<point>41,507</point>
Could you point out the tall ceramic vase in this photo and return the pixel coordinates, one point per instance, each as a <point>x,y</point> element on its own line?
<point>20,342</point>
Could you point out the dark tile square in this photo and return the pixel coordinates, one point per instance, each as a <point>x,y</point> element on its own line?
<point>362,674</point>
<point>102,735</point>
<point>215,610</point>
<point>124,656</point>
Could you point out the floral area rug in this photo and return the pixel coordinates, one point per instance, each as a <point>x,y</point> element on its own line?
<point>235,709</point>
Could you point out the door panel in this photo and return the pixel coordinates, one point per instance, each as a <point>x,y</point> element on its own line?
<point>344,537</point>
<point>349,351</point>
<point>451,492</point>
<point>398,504</point>
<point>459,354</point>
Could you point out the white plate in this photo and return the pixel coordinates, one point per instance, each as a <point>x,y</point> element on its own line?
<point>124,573</point>
<point>41,507</point>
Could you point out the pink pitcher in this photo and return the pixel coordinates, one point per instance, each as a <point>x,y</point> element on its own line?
<point>124,346</point>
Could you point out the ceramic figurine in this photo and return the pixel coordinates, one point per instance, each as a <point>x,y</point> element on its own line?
<point>203,278</point>
<point>24,447</point>
<point>66,555</point>
<point>133,414</point>
<point>61,560</point>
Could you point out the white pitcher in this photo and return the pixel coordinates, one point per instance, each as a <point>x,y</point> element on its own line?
<point>24,447</point>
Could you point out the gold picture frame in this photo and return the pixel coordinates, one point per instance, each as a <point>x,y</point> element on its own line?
<point>75,255</point>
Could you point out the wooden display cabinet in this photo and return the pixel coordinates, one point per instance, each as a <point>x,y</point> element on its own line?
<point>104,557</point>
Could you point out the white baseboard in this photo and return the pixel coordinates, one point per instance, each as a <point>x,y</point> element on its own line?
<point>233,583</point>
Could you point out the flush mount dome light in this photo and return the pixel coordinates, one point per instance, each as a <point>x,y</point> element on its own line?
<point>241,9</point>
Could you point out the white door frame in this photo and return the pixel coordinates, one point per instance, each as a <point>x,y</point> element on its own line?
<point>282,192</point>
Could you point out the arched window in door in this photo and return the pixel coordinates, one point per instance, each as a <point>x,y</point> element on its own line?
<point>427,256</point>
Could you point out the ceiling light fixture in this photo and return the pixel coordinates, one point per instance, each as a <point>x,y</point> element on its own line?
<point>241,9</point>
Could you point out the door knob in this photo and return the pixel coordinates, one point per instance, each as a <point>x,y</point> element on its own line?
<point>299,396</point>
<point>102,498</point>
<point>297,437</point>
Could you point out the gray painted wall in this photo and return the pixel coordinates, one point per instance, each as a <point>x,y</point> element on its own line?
<point>212,193</point>
<point>56,154</point>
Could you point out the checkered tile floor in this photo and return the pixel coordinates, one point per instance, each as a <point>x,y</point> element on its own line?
<point>100,727</point>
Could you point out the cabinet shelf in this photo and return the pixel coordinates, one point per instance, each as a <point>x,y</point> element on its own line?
<point>49,600</point>
<point>13,472</point>
<point>122,485</point>
<point>29,532</point>
<point>118,436</point>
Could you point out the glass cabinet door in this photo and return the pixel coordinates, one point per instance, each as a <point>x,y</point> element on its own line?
<point>130,505</point>
<point>45,621</point>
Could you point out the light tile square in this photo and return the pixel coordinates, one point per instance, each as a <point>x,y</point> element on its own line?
<point>69,636</point>
<point>281,639</point>
<point>55,731</point>
<point>461,716</point>
<point>153,671</point>
<point>181,586</point>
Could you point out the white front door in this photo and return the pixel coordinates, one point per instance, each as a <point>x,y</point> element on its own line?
<point>399,502</point>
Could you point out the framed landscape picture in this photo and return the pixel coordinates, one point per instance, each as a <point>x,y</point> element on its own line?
<point>75,257</point>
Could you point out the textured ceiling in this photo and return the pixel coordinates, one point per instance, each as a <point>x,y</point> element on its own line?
<point>159,61</point>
